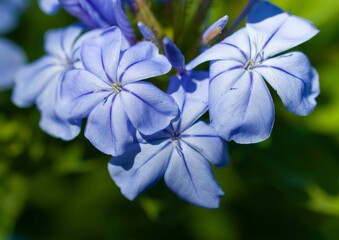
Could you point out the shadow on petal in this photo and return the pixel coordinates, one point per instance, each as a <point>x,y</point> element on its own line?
<point>126,161</point>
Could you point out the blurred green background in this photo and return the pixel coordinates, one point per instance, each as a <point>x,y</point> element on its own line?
<point>284,188</point>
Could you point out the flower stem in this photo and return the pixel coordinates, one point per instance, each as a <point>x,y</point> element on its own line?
<point>191,39</point>
<point>241,17</point>
<point>146,16</point>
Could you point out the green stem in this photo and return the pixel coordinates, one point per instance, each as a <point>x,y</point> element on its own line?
<point>241,17</point>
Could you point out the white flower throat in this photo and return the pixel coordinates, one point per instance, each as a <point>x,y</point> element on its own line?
<point>258,56</point>
<point>249,65</point>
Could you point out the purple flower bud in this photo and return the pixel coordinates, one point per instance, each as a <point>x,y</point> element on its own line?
<point>174,55</point>
<point>147,33</point>
<point>123,22</point>
<point>214,30</point>
<point>93,13</point>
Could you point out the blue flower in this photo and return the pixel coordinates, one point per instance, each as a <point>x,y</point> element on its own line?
<point>39,82</point>
<point>11,59</point>
<point>9,14</point>
<point>93,13</point>
<point>182,153</point>
<point>109,91</point>
<point>241,107</point>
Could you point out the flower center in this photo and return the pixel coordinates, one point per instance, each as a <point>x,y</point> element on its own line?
<point>117,87</point>
<point>249,65</point>
<point>175,136</point>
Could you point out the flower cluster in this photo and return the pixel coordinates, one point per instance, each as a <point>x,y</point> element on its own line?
<point>99,70</point>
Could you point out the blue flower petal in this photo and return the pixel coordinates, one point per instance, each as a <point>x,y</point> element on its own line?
<point>190,177</point>
<point>149,109</point>
<point>192,104</point>
<point>50,121</point>
<point>140,62</point>
<point>235,47</point>
<point>11,59</point>
<point>58,127</point>
<point>100,55</point>
<point>123,22</point>
<point>262,10</point>
<point>244,114</point>
<point>205,140</point>
<point>9,14</point>
<point>108,127</point>
<point>8,18</point>
<point>104,11</point>
<point>291,75</point>
<point>40,82</point>
<point>31,80</point>
<point>59,42</point>
<point>143,169</point>
<point>223,75</point>
<point>77,45</point>
<point>49,6</point>
<point>93,13</point>
<point>81,91</point>
<point>279,33</point>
